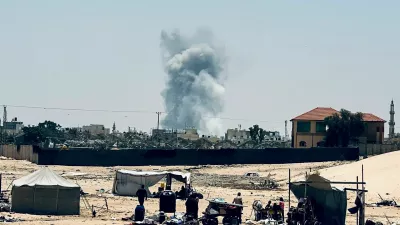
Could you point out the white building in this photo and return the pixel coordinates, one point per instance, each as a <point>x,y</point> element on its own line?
<point>13,127</point>
<point>96,129</point>
<point>237,136</point>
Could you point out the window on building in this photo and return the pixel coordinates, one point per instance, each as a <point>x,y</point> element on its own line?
<point>377,129</point>
<point>303,126</point>
<point>303,144</point>
<point>320,127</point>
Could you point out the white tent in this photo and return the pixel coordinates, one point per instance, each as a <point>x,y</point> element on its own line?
<point>45,192</point>
<point>127,182</point>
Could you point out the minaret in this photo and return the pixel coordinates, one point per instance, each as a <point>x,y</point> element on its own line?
<point>113,128</point>
<point>391,121</point>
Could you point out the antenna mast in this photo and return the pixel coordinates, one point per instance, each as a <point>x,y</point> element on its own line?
<point>286,131</point>
<point>158,120</point>
<point>4,115</point>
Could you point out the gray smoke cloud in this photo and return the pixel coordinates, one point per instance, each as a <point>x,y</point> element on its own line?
<point>194,91</point>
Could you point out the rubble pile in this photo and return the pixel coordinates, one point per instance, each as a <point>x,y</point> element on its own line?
<point>9,219</point>
<point>235,181</point>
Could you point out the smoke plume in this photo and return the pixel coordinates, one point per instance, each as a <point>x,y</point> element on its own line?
<point>194,91</point>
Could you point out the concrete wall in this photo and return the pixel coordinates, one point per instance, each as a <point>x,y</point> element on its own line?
<point>132,157</point>
<point>90,157</point>
<point>376,149</point>
<point>21,152</point>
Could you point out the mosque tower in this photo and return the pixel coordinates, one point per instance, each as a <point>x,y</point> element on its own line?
<point>391,121</point>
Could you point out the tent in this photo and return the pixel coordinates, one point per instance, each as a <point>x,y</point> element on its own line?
<point>45,192</point>
<point>127,182</point>
<point>331,202</point>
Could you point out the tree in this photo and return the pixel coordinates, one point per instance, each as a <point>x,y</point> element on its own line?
<point>343,127</point>
<point>38,134</point>
<point>257,134</point>
<point>32,135</point>
<point>73,133</point>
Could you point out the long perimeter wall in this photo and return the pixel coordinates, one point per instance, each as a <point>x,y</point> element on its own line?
<point>132,157</point>
<point>86,157</point>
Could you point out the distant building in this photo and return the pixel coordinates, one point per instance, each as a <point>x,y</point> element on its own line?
<point>13,127</point>
<point>96,129</point>
<point>165,134</point>
<point>309,129</point>
<point>237,136</point>
<point>272,136</point>
<point>189,134</point>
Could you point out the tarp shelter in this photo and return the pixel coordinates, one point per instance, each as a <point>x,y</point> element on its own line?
<point>331,202</point>
<point>127,182</point>
<point>45,192</point>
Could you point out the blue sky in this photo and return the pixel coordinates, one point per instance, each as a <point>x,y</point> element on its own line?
<point>284,57</point>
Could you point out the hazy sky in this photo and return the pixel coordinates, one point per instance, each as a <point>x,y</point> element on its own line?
<point>285,57</point>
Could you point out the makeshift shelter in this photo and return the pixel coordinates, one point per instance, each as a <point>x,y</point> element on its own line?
<point>127,182</point>
<point>331,202</point>
<point>45,192</point>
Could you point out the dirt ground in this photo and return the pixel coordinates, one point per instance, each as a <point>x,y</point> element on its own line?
<point>217,181</point>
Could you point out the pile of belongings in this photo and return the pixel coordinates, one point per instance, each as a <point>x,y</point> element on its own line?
<point>9,219</point>
<point>268,221</point>
<point>177,219</point>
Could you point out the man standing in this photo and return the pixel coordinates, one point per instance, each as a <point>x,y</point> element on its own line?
<point>239,201</point>
<point>141,194</point>
<point>282,205</point>
<point>192,206</point>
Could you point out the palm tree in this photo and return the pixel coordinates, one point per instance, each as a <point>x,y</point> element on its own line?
<point>343,127</point>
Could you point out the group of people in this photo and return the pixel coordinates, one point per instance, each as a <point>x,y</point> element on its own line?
<point>192,203</point>
<point>277,209</point>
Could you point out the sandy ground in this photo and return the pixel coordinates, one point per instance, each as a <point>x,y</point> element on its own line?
<point>219,181</point>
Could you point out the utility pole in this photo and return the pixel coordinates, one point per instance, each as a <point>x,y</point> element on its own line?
<point>3,131</point>
<point>158,120</point>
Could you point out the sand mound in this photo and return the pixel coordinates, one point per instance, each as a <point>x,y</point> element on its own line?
<point>381,173</point>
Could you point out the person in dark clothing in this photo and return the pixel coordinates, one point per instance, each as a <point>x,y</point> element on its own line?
<point>182,193</point>
<point>192,206</point>
<point>141,194</point>
<point>268,206</point>
<point>277,212</point>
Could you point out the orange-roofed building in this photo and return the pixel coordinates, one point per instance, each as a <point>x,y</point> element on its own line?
<point>309,130</point>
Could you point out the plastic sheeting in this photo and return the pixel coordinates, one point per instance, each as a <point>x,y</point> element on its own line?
<point>331,202</point>
<point>45,192</point>
<point>127,182</point>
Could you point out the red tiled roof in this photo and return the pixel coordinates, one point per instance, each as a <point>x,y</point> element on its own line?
<point>320,113</point>
<point>372,118</point>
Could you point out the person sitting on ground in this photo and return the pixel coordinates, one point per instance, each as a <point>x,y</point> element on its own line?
<point>141,194</point>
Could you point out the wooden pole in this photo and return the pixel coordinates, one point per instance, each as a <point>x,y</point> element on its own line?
<point>289,191</point>
<point>357,220</point>
<point>362,218</point>
<point>305,197</point>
